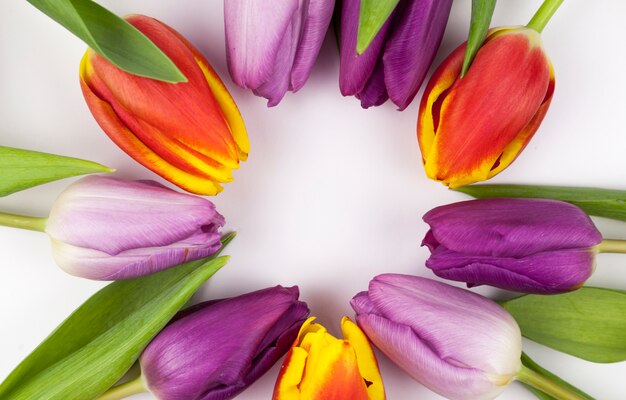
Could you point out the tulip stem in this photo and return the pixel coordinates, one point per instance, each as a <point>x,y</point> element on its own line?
<point>124,390</point>
<point>611,246</point>
<point>546,385</point>
<point>543,14</point>
<point>23,222</point>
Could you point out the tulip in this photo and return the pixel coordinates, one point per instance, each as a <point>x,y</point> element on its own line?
<point>189,133</point>
<point>456,343</point>
<point>526,245</point>
<point>107,229</point>
<point>397,60</point>
<point>271,46</point>
<point>471,128</point>
<point>320,366</point>
<point>216,349</point>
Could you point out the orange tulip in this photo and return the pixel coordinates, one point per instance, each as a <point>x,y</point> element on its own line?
<point>191,134</point>
<point>320,366</point>
<point>471,128</point>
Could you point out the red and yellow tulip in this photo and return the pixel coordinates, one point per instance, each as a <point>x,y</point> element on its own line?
<point>191,133</point>
<point>320,366</point>
<point>471,128</point>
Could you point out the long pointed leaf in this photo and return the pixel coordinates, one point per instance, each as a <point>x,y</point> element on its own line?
<point>22,169</point>
<point>372,17</point>
<point>531,364</point>
<point>587,323</point>
<point>482,11</point>
<point>601,202</point>
<point>102,339</point>
<point>112,37</point>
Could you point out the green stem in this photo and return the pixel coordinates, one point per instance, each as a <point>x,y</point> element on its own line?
<point>543,14</point>
<point>23,222</point>
<point>546,385</point>
<point>611,246</point>
<point>124,390</point>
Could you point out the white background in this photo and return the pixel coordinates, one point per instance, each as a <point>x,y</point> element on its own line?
<point>332,194</point>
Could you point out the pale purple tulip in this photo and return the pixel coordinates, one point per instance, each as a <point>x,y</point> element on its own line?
<point>214,350</point>
<point>271,46</point>
<point>397,60</point>
<point>525,245</point>
<point>455,342</point>
<point>108,229</point>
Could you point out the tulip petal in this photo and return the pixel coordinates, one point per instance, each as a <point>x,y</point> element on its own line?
<point>430,107</point>
<point>278,82</point>
<point>223,97</point>
<point>541,273</point>
<point>252,43</point>
<point>331,371</point>
<point>127,141</point>
<point>145,215</point>
<point>218,363</point>
<point>411,47</point>
<point>505,227</point>
<point>366,360</point>
<point>444,376</point>
<point>94,264</point>
<point>374,93</point>
<point>316,17</point>
<point>510,152</point>
<point>355,70</point>
<point>457,343</point>
<point>469,141</point>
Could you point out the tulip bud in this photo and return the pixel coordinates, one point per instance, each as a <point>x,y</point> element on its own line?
<point>525,245</point>
<point>470,129</point>
<point>215,350</point>
<point>395,64</point>
<point>271,46</point>
<point>108,229</point>
<point>189,133</point>
<point>320,366</point>
<point>455,342</point>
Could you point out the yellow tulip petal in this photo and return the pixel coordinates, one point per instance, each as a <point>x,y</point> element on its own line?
<point>366,359</point>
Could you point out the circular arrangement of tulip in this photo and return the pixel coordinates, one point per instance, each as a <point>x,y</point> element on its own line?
<point>158,98</point>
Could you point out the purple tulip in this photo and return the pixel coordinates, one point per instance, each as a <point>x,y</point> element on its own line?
<point>397,60</point>
<point>525,245</point>
<point>107,229</point>
<point>455,342</point>
<point>271,45</point>
<point>214,350</point>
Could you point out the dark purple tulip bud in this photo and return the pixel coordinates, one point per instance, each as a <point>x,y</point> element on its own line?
<point>395,63</point>
<point>215,350</point>
<point>525,245</point>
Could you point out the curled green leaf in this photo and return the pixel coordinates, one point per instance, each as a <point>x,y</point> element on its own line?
<point>600,202</point>
<point>372,17</point>
<point>482,11</point>
<point>100,341</point>
<point>22,169</point>
<point>587,323</point>
<point>112,37</point>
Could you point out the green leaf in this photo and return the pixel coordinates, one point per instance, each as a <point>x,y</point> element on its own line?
<point>102,339</point>
<point>372,17</point>
<point>601,202</point>
<point>532,365</point>
<point>482,11</point>
<point>112,37</point>
<point>587,323</point>
<point>22,169</point>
